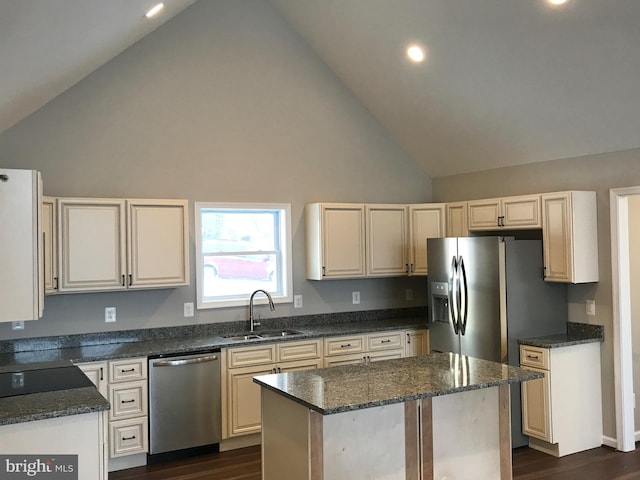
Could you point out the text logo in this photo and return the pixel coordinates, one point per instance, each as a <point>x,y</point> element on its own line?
<point>49,467</point>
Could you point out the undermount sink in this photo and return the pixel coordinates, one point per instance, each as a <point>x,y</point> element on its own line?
<point>244,337</point>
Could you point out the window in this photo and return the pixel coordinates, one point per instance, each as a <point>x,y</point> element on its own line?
<point>242,248</point>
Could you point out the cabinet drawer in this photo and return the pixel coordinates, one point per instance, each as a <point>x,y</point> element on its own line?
<point>128,400</point>
<point>345,360</point>
<point>536,357</point>
<point>342,345</point>
<point>384,341</point>
<point>127,437</point>
<point>127,370</point>
<point>244,357</point>
<point>298,350</point>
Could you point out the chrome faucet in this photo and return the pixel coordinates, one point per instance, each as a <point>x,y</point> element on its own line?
<point>272,307</point>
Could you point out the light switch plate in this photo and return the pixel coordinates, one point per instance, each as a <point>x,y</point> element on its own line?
<point>297,301</point>
<point>19,325</point>
<point>591,307</point>
<point>355,298</point>
<point>188,309</point>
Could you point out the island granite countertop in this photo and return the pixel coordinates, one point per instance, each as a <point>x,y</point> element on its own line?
<point>354,387</point>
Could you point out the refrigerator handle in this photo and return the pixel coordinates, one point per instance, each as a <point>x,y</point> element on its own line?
<point>465,308</point>
<point>453,278</point>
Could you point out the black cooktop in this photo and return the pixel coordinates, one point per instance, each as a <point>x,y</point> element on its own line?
<point>42,380</point>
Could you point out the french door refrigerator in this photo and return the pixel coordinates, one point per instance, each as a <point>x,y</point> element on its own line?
<point>484,294</point>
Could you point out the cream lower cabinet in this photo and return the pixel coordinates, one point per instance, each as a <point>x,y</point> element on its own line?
<point>353,349</point>
<point>117,244</point>
<point>509,212</point>
<point>124,384</point>
<point>570,237</point>
<point>416,342</point>
<point>562,412</point>
<point>241,407</point>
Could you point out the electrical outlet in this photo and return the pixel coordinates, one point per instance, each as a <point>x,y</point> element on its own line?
<point>408,294</point>
<point>188,309</point>
<point>110,314</point>
<point>591,307</point>
<point>355,298</point>
<point>19,325</point>
<point>297,301</point>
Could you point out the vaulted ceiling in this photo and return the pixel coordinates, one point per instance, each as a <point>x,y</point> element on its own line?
<point>505,82</point>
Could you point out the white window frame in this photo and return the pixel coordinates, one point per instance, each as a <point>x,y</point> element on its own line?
<point>286,242</point>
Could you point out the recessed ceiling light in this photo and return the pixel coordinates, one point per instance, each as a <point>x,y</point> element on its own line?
<point>557,3</point>
<point>415,53</point>
<point>154,11</point>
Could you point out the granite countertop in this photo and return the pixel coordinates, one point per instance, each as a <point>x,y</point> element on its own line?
<point>577,333</point>
<point>48,352</point>
<point>354,387</point>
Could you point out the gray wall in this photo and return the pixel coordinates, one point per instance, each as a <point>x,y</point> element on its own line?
<point>597,172</point>
<point>223,103</point>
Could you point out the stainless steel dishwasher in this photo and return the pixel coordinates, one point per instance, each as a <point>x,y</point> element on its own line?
<point>184,404</point>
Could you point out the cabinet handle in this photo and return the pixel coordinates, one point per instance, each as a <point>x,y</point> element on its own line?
<point>323,271</point>
<point>101,374</point>
<point>127,401</point>
<point>55,283</point>
<point>533,357</point>
<point>4,178</point>
<point>406,267</point>
<point>129,438</point>
<point>345,345</point>
<point>412,269</point>
<point>279,370</point>
<point>130,279</point>
<point>123,279</point>
<point>386,341</point>
<point>127,370</point>
<point>408,338</point>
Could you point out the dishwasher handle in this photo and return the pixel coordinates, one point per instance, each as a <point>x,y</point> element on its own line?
<point>184,361</point>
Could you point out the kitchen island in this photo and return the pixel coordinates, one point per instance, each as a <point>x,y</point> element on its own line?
<point>439,416</point>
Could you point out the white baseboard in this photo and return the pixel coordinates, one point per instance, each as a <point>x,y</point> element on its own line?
<point>610,441</point>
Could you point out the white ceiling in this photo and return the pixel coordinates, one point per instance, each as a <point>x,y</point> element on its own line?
<point>506,81</point>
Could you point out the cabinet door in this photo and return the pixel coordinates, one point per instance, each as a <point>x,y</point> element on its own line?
<point>557,235</point>
<point>536,407</point>
<point>343,241</point>
<point>521,212</point>
<point>97,373</point>
<point>158,243</point>
<point>49,240</point>
<point>483,214</point>
<point>384,355</point>
<point>244,397</point>
<point>353,359</point>
<point>457,219</point>
<point>21,276</point>
<point>299,365</point>
<point>91,241</point>
<point>425,221</point>
<point>386,231</point>
<point>416,343</point>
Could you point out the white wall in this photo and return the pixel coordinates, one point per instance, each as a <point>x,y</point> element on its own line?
<point>595,172</point>
<point>634,277</point>
<point>223,103</point>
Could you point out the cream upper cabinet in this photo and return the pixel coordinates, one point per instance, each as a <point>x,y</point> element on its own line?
<point>115,244</point>
<point>570,236</point>
<point>21,266</point>
<point>457,219</point>
<point>508,212</point>
<point>49,240</point>
<point>425,221</point>
<point>386,235</point>
<point>335,240</point>
<point>158,243</point>
<point>397,237</point>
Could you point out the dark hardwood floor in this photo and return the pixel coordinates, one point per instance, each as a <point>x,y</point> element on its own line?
<point>244,464</point>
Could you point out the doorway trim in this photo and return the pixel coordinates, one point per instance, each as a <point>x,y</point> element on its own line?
<point>621,300</point>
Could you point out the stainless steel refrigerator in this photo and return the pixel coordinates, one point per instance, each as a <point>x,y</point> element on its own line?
<point>484,294</point>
